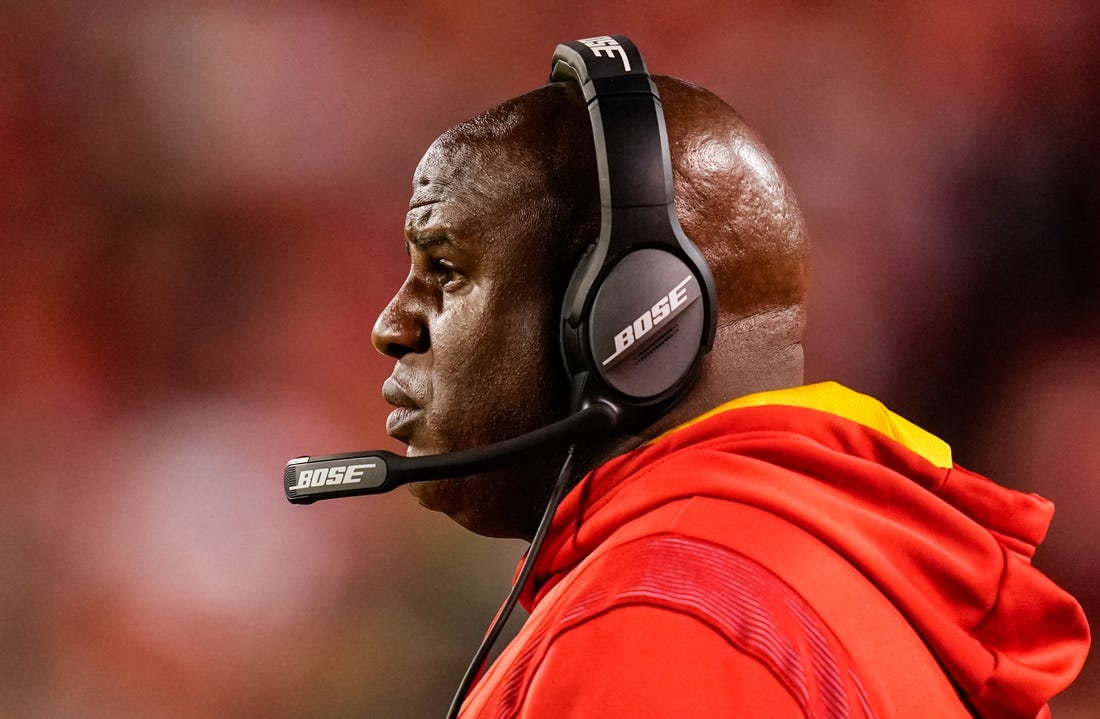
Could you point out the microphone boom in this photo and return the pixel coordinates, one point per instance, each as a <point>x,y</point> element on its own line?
<point>308,479</point>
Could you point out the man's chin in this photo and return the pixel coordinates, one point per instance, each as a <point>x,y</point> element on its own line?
<point>415,447</point>
<point>430,493</point>
<point>442,495</point>
<point>475,503</point>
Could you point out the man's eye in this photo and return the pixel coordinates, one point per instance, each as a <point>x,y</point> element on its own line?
<point>447,274</point>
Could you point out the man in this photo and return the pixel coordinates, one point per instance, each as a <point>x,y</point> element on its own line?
<point>796,551</point>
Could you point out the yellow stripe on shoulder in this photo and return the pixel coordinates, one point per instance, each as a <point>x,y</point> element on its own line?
<point>837,399</point>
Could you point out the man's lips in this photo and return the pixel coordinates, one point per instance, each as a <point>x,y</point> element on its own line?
<point>406,410</point>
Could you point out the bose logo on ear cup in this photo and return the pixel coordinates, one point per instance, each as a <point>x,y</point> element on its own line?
<point>666,308</point>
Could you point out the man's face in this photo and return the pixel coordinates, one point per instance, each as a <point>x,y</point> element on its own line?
<point>473,329</point>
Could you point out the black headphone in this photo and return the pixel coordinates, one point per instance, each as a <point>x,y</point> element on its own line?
<point>639,312</point>
<point>641,309</point>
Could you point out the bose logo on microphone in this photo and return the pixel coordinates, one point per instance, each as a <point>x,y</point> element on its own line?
<point>608,45</point>
<point>665,308</point>
<point>324,476</point>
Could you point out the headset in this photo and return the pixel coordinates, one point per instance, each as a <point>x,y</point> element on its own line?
<point>639,312</point>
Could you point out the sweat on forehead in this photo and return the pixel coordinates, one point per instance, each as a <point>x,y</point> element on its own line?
<point>538,136</point>
<point>530,160</point>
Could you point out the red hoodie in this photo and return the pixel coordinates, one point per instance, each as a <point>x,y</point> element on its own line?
<point>802,553</point>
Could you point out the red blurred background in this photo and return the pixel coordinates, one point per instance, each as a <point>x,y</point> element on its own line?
<point>201,210</point>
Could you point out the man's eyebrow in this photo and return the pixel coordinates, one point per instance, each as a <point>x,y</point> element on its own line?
<point>424,242</point>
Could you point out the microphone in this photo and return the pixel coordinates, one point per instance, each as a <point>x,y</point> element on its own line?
<point>308,479</point>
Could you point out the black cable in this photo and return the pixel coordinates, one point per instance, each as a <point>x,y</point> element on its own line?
<point>495,629</point>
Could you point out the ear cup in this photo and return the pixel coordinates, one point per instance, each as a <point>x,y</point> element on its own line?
<point>634,331</point>
<point>646,324</point>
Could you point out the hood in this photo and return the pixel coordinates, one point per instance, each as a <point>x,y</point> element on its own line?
<point>950,548</point>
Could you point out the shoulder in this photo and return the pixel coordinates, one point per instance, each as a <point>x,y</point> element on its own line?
<point>668,625</point>
<point>640,660</point>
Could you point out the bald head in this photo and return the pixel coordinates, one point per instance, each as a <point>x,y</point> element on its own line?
<point>731,198</point>
<point>734,203</point>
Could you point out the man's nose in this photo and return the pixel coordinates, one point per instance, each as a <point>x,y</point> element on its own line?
<point>400,328</point>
